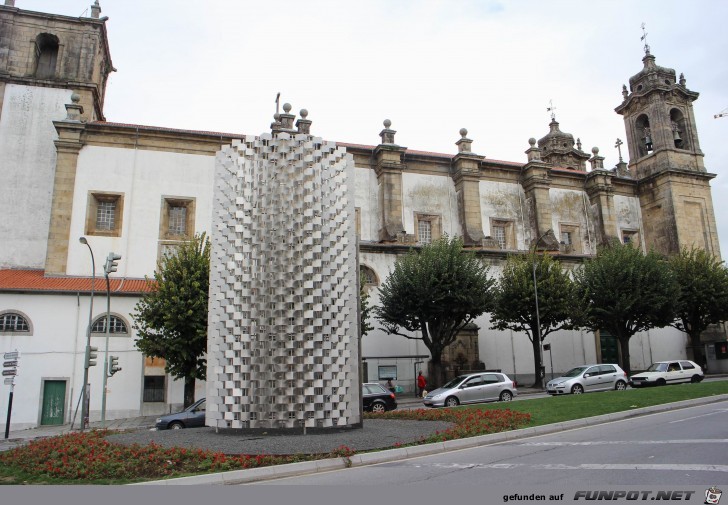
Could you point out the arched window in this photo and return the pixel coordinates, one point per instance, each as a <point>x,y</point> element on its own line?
<point>13,322</point>
<point>679,129</point>
<point>46,55</point>
<point>118,326</point>
<point>370,278</point>
<point>644,135</point>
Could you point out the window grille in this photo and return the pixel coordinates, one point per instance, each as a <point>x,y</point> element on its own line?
<point>499,234</point>
<point>178,220</point>
<point>13,322</point>
<point>117,325</point>
<point>106,215</point>
<point>424,229</point>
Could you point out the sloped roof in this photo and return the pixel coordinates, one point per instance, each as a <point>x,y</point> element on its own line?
<point>35,281</point>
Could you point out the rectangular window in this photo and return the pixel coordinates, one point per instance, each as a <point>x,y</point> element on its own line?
<point>631,237</point>
<point>424,232</point>
<point>569,238</point>
<point>427,228</point>
<point>104,214</point>
<point>154,388</point>
<point>177,220</point>
<point>502,232</point>
<point>176,224</point>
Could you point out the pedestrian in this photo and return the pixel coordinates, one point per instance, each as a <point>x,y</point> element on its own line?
<point>390,385</point>
<point>421,384</point>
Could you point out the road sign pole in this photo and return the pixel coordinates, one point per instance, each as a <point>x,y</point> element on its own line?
<point>10,410</point>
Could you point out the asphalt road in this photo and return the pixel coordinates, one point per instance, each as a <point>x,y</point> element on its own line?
<point>681,447</point>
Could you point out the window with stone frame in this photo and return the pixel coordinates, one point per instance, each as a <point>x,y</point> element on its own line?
<point>631,237</point>
<point>46,56</point>
<point>176,224</point>
<point>104,214</point>
<point>502,231</point>
<point>14,323</point>
<point>369,277</point>
<point>570,239</point>
<point>428,228</point>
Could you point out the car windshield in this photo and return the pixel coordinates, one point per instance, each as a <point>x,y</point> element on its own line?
<point>457,380</point>
<point>657,367</point>
<point>575,372</point>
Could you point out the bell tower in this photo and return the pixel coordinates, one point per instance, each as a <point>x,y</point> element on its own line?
<point>666,160</point>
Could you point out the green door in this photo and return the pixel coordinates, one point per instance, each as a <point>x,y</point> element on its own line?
<point>54,398</point>
<point>610,349</point>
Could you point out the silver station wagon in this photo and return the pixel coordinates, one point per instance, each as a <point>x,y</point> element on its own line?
<point>472,388</point>
<point>587,378</point>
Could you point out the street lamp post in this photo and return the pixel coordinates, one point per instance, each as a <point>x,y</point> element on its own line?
<point>86,361</point>
<point>541,369</point>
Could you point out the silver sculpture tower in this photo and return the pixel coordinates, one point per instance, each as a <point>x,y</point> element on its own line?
<point>283,331</point>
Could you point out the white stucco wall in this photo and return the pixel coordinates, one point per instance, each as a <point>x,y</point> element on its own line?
<point>366,199</point>
<point>27,164</point>
<point>569,207</point>
<point>429,194</point>
<point>503,201</point>
<point>144,178</point>
<point>629,216</point>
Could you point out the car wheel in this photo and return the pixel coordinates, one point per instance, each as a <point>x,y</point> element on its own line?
<point>620,386</point>
<point>176,425</point>
<point>661,382</point>
<point>695,379</point>
<point>577,389</point>
<point>452,402</point>
<point>506,396</point>
<point>378,408</point>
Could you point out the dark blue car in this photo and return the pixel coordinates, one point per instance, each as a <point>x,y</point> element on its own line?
<point>191,417</point>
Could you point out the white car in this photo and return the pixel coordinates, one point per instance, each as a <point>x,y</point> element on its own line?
<point>668,372</point>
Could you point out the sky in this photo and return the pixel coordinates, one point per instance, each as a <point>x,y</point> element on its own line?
<point>431,67</point>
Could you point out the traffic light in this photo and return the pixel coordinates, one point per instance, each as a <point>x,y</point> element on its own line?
<point>91,356</point>
<point>113,365</point>
<point>111,263</point>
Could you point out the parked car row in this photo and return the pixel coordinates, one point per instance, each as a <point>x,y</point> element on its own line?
<point>491,386</point>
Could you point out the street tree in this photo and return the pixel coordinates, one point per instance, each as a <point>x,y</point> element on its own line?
<point>171,318</point>
<point>526,279</point>
<point>703,300</point>
<point>624,291</point>
<point>432,294</point>
<point>365,307</point>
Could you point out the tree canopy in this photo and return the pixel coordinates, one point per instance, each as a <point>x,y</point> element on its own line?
<point>515,302</point>
<point>432,294</point>
<point>703,300</point>
<point>171,319</point>
<point>625,291</point>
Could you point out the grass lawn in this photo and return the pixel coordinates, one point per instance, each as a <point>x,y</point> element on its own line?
<point>547,409</point>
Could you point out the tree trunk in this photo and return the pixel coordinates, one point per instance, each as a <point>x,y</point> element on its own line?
<point>538,383</point>
<point>698,354</point>
<point>435,373</point>
<point>189,391</point>
<point>624,355</point>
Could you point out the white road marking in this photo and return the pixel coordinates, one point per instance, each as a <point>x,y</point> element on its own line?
<point>630,442</point>
<point>696,417</point>
<point>586,466</point>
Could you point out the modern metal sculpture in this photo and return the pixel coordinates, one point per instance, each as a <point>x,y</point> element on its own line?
<point>283,331</point>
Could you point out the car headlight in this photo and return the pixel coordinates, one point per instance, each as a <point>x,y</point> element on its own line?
<point>159,420</point>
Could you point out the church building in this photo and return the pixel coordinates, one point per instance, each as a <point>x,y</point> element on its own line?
<point>138,191</point>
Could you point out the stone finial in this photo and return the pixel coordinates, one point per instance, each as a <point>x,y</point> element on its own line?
<point>682,79</point>
<point>75,109</point>
<point>578,143</point>
<point>303,124</point>
<point>533,152</point>
<point>625,93</point>
<point>597,162</point>
<point>95,10</point>
<point>286,119</point>
<point>387,134</point>
<point>464,144</point>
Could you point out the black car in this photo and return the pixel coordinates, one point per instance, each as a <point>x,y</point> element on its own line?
<point>191,417</point>
<point>376,398</point>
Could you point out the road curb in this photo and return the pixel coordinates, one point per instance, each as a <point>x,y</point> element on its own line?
<point>389,455</point>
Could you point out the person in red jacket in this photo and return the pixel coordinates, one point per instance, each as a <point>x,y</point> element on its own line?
<point>421,384</point>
